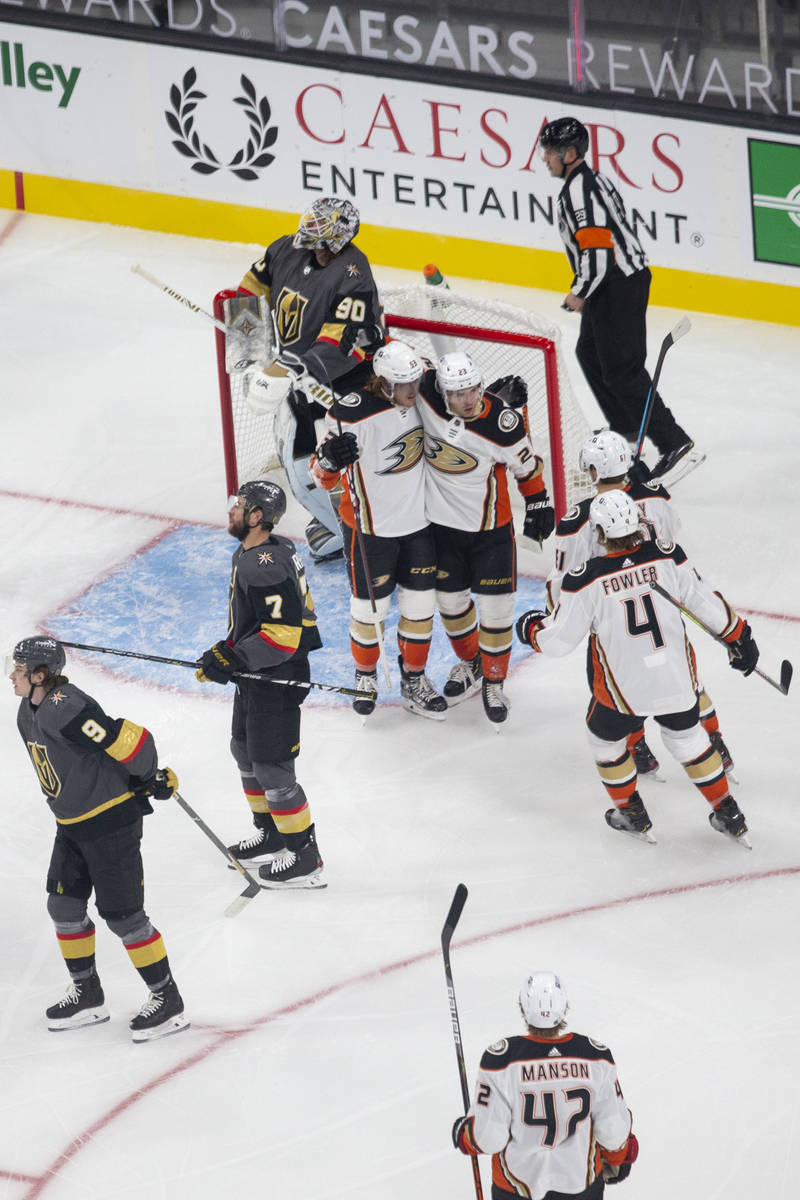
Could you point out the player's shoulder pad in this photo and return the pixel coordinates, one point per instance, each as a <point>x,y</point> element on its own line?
<point>505,1051</point>
<point>502,424</point>
<point>588,1047</point>
<point>646,491</point>
<point>62,703</point>
<point>354,267</point>
<point>360,404</point>
<point>575,519</point>
<point>660,549</point>
<point>266,562</point>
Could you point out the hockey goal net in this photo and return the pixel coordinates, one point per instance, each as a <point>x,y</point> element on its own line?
<point>502,338</point>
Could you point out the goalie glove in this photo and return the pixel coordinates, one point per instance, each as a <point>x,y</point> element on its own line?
<point>512,389</point>
<point>338,451</point>
<point>529,625</point>
<point>540,518</point>
<point>616,1173</point>
<point>743,653</point>
<point>219,664</point>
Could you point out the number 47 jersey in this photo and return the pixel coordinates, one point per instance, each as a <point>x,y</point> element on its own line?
<point>544,1108</point>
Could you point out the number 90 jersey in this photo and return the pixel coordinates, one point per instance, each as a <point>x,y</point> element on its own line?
<point>542,1108</point>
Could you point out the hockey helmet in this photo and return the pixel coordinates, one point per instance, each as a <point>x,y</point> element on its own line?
<point>543,1000</point>
<point>562,133</point>
<point>615,513</point>
<point>607,452</point>
<point>327,224</point>
<point>397,362</point>
<point>270,498</point>
<point>457,372</point>
<point>40,652</point>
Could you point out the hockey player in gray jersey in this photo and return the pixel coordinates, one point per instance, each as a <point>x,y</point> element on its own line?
<point>272,628</point>
<point>548,1107</point>
<point>639,660</point>
<point>325,303</point>
<point>96,773</point>
<point>606,458</point>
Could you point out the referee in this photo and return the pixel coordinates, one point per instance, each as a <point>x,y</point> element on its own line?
<point>610,290</point>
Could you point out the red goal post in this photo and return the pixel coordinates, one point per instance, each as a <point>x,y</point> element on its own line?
<point>503,339</point>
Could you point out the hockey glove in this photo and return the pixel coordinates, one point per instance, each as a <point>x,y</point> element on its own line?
<point>338,451</point>
<point>616,1174</point>
<point>639,472</point>
<point>528,626</point>
<point>511,388</point>
<point>366,337</point>
<point>219,664</point>
<point>540,518</point>
<point>160,786</point>
<point>461,1134</point>
<point>743,652</point>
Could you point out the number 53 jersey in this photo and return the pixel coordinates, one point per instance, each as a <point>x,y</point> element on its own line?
<point>542,1108</point>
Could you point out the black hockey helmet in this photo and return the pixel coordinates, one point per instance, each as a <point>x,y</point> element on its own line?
<point>564,132</point>
<point>270,498</point>
<point>37,653</point>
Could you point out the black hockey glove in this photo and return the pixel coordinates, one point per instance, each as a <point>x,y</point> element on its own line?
<point>367,337</point>
<point>528,626</point>
<point>160,786</point>
<point>459,1125</point>
<point>219,664</point>
<point>511,388</point>
<point>639,472</point>
<point>540,518</point>
<point>743,653</point>
<point>338,451</point>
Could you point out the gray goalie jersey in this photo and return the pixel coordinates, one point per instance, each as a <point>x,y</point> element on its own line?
<point>86,762</point>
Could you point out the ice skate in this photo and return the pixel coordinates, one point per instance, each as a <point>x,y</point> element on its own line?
<point>300,868</point>
<point>724,753</point>
<point>83,1004</point>
<point>463,681</point>
<point>676,464</point>
<point>420,696</point>
<point>262,846</point>
<point>366,681</point>
<point>632,818</point>
<point>160,1015</point>
<point>728,818</point>
<point>496,704</point>
<point>647,765</point>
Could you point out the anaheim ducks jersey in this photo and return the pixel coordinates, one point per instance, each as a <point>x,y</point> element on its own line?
<point>85,761</point>
<point>313,305</point>
<point>271,613</point>
<point>542,1108</point>
<point>466,486</point>
<point>576,539</point>
<point>639,660</point>
<point>389,476</point>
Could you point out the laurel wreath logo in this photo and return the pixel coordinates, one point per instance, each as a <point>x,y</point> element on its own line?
<point>246,162</point>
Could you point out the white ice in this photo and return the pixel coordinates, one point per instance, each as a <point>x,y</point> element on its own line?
<point>320,1062</point>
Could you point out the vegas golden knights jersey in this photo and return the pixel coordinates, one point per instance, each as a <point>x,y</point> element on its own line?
<point>271,613</point>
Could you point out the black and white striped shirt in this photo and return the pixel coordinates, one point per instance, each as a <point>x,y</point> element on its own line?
<point>595,230</point>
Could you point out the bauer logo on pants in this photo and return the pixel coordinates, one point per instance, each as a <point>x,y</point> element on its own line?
<point>775,197</point>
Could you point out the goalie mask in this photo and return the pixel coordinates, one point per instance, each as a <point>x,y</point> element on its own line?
<point>397,362</point>
<point>327,224</point>
<point>615,513</point>
<point>607,452</point>
<point>457,372</point>
<point>562,133</point>
<point>543,1000</point>
<point>40,652</point>
<point>270,498</point>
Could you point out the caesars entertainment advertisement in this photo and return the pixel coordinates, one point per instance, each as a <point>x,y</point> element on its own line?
<point>447,161</point>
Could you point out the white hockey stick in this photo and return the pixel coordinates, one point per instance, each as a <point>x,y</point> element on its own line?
<point>164,287</point>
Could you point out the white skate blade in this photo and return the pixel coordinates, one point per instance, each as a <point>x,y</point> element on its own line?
<point>682,468</point>
<point>165,1029</point>
<point>640,837</point>
<point>306,881</point>
<point>91,1016</point>
<point>742,840</point>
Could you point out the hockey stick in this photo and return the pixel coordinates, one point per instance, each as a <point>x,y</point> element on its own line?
<point>683,326</point>
<point>787,670</point>
<point>184,662</point>
<point>164,287</point>
<point>452,919</point>
<point>354,497</point>
<point>253,886</point>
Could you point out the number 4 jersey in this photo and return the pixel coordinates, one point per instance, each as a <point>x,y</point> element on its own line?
<point>544,1108</point>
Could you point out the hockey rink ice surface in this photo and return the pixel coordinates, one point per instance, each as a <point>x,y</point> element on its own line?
<point>320,1061</point>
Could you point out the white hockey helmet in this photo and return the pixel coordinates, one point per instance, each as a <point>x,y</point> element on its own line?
<point>615,513</point>
<point>543,1000</point>
<point>397,362</point>
<point>607,452</point>
<point>327,224</point>
<point>457,372</point>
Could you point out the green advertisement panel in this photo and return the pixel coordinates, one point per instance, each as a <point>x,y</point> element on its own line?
<point>775,197</point>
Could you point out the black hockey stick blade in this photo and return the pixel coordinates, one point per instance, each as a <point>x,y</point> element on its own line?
<point>454,915</point>
<point>787,670</point>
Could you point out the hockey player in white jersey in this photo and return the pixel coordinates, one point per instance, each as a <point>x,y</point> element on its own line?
<point>606,458</point>
<point>472,437</point>
<point>640,662</point>
<point>378,456</point>
<point>548,1107</point>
